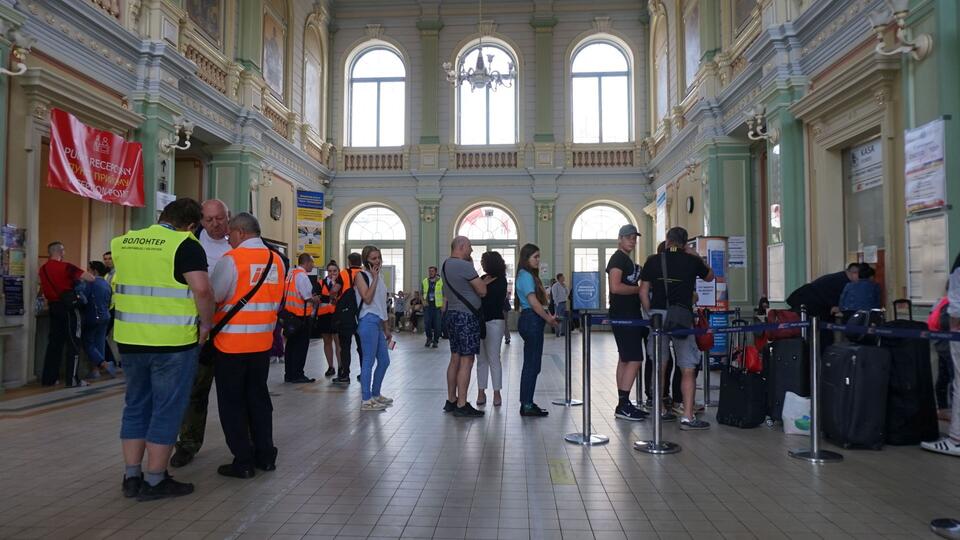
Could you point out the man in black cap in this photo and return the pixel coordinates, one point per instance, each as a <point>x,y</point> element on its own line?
<point>623,277</point>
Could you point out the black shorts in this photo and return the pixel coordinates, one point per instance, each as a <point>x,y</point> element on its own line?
<point>324,324</point>
<point>630,342</point>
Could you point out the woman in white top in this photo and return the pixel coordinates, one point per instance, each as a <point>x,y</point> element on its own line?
<point>373,331</point>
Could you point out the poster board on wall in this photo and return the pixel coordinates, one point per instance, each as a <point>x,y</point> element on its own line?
<point>310,224</point>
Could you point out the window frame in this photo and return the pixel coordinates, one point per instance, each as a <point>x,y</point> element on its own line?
<point>602,245</point>
<point>599,75</point>
<point>515,88</point>
<point>360,53</point>
<point>351,244</point>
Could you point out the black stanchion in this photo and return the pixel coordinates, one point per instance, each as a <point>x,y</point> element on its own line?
<point>585,437</point>
<point>657,445</point>
<point>815,454</point>
<point>567,400</point>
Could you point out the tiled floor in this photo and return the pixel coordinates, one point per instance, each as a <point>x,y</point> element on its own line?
<point>414,472</point>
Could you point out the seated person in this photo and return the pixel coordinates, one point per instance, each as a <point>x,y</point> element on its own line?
<point>860,295</point>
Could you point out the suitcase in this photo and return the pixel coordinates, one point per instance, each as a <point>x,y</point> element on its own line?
<point>911,401</point>
<point>786,366</point>
<point>864,319</point>
<point>743,395</point>
<point>783,316</point>
<point>853,400</point>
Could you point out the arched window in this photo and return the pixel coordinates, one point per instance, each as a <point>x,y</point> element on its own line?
<point>594,240</point>
<point>382,227</point>
<point>487,115</point>
<point>376,95</point>
<point>661,74</point>
<point>491,228</point>
<point>275,45</point>
<point>691,40</point>
<point>601,94</point>
<point>313,80</point>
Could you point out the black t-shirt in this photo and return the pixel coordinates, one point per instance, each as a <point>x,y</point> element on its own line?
<point>189,257</point>
<point>492,304</point>
<point>683,270</point>
<point>625,305</point>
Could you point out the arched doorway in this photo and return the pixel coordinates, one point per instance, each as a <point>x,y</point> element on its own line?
<point>594,240</point>
<point>491,228</point>
<point>382,227</point>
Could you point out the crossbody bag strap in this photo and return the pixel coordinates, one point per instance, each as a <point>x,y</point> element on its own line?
<point>666,279</point>
<point>476,312</point>
<point>246,298</point>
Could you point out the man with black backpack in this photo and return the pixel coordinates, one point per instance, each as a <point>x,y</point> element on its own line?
<point>346,318</point>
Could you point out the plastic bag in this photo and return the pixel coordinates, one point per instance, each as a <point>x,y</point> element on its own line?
<point>796,415</point>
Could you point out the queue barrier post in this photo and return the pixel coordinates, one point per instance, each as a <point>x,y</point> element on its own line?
<point>567,400</point>
<point>657,445</point>
<point>814,454</point>
<point>585,437</point>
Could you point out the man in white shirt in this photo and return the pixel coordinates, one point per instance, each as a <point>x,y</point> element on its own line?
<point>213,239</point>
<point>301,303</point>
<point>559,293</point>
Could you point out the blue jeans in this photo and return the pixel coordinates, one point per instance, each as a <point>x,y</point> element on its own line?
<point>530,327</point>
<point>431,323</point>
<point>158,389</point>
<point>374,346</point>
<point>94,338</point>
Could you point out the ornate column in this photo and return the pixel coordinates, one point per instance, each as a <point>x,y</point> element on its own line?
<point>787,165</point>
<point>234,171</point>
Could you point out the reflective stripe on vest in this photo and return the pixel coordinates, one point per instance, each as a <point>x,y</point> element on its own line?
<point>329,307</point>
<point>437,292</point>
<point>250,330</point>
<point>295,303</point>
<point>152,308</point>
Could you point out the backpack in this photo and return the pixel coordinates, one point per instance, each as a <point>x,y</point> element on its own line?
<point>348,308</point>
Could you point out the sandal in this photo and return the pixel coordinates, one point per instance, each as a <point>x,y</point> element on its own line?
<point>497,401</point>
<point>481,401</point>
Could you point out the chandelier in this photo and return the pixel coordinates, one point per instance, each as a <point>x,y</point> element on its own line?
<point>482,75</point>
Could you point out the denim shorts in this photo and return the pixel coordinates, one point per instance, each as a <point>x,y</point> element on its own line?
<point>158,390</point>
<point>463,329</point>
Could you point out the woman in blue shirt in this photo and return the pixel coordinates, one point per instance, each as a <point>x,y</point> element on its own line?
<point>95,319</point>
<point>533,316</point>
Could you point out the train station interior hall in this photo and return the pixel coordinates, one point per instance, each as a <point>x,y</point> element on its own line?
<point>253,243</point>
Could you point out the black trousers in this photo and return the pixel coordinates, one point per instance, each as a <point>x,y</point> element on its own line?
<point>675,376</point>
<point>246,412</point>
<point>345,336</point>
<point>64,333</point>
<point>295,355</point>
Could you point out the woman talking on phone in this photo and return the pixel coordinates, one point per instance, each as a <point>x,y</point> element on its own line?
<point>373,330</point>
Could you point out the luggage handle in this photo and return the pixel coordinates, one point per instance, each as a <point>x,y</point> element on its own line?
<point>738,341</point>
<point>901,302</point>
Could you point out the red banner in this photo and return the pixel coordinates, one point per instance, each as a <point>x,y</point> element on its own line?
<point>93,163</point>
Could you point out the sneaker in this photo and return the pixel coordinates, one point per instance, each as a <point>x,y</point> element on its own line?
<point>427,344</point>
<point>943,446</point>
<point>647,405</point>
<point>131,486</point>
<point>532,410</point>
<point>93,375</point>
<point>168,487</point>
<point>629,412</point>
<point>467,411</point>
<point>341,380</point>
<point>434,345</point>
<point>449,406</point>
<point>383,399</point>
<point>330,372</point>
<point>372,405</point>
<point>180,458</point>
<point>668,417</point>
<point>693,423</point>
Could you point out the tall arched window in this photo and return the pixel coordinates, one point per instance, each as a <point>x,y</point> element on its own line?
<point>382,227</point>
<point>594,240</point>
<point>601,94</point>
<point>313,79</point>
<point>376,96</point>
<point>487,115</point>
<point>491,228</point>
<point>661,73</point>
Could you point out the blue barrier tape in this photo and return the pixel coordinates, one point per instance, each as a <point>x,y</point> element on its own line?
<point>883,331</point>
<point>613,321</point>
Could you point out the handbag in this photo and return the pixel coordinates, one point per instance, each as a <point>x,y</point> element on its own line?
<point>69,298</point>
<point>778,316</point>
<point>206,351</point>
<point>678,317</point>
<point>704,341</point>
<point>476,312</point>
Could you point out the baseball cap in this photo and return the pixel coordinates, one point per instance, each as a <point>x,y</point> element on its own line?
<point>628,230</point>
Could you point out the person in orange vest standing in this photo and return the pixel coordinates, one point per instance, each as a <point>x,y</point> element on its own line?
<point>302,303</point>
<point>346,319</point>
<point>248,286</point>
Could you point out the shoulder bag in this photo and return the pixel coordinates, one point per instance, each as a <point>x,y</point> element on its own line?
<point>678,317</point>
<point>206,351</point>
<point>476,312</point>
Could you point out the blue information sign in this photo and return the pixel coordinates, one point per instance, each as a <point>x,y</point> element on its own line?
<point>586,290</point>
<point>310,199</point>
<point>719,340</point>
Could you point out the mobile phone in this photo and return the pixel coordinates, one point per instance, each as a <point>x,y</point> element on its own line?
<point>391,344</point>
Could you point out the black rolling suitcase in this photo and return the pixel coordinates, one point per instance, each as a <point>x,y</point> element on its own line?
<point>743,395</point>
<point>853,400</point>
<point>911,401</point>
<point>786,367</point>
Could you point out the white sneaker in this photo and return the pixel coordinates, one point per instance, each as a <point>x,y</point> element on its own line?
<point>383,399</point>
<point>943,446</point>
<point>372,405</point>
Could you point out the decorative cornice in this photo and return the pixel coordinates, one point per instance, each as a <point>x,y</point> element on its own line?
<point>374,31</point>
<point>430,27</point>
<point>602,24</point>
<point>543,24</point>
<point>486,28</point>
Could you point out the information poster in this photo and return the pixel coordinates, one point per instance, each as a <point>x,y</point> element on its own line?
<point>310,218</point>
<point>586,290</point>
<point>661,214</point>
<point>737,252</point>
<point>925,167</point>
<point>719,340</point>
<point>389,273</point>
<point>12,295</point>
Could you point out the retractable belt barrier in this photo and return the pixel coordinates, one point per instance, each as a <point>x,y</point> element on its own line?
<point>611,321</point>
<point>892,332</point>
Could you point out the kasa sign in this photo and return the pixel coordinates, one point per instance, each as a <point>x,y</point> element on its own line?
<point>94,163</point>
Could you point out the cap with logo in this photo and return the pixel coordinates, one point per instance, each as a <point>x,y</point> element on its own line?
<point>628,230</point>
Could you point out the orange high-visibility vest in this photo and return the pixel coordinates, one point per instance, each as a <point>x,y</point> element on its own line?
<point>325,292</point>
<point>295,303</point>
<point>251,329</point>
<point>347,277</point>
